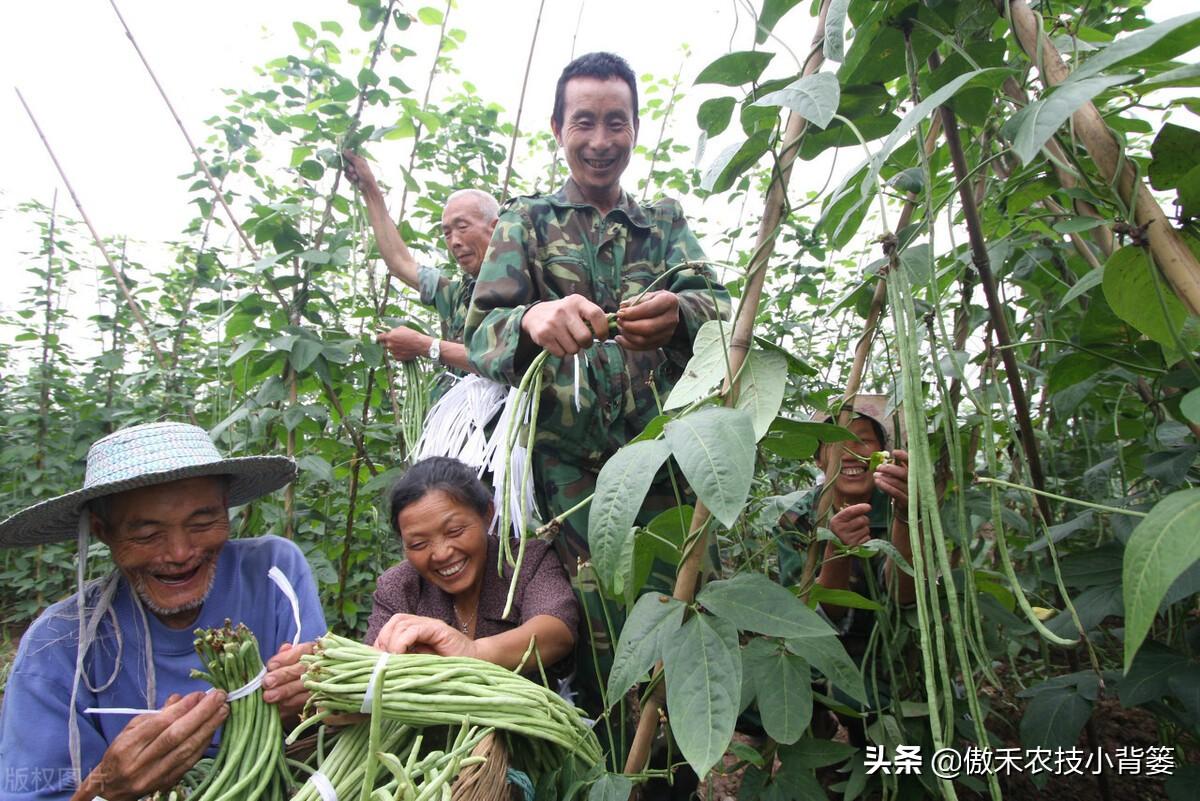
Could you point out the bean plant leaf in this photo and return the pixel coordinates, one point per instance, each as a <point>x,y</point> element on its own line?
<point>761,386</point>
<point>1054,718</point>
<point>714,114</point>
<point>1190,406</point>
<point>1129,286</point>
<point>1149,675</point>
<point>1160,549</point>
<point>828,655</point>
<point>735,69</point>
<point>715,450</point>
<point>1030,127</point>
<point>620,489</point>
<point>706,369</point>
<point>814,97</point>
<point>772,12</point>
<point>835,30</point>
<point>1178,35</point>
<point>734,160</point>
<point>654,617</point>
<point>304,353</point>
<point>753,602</point>
<point>1173,155</point>
<point>704,677</point>
<point>920,113</point>
<point>1187,75</point>
<point>611,787</point>
<point>1090,280</point>
<point>783,686</point>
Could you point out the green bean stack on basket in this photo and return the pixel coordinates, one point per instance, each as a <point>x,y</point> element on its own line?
<point>541,730</point>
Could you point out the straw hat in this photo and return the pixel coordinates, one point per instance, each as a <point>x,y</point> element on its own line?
<point>140,456</point>
<point>876,408</point>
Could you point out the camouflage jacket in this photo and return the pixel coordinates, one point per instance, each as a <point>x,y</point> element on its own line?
<point>450,297</point>
<point>548,247</point>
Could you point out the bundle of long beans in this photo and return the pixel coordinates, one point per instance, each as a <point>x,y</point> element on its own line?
<point>249,764</point>
<point>414,404</point>
<point>427,690</point>
<point>351,767</point>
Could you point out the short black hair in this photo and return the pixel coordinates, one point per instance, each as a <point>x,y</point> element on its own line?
<point>602,66</point>
<point>440,473</point>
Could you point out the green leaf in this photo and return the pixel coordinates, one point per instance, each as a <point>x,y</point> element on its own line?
<point>430,15</point>
<point>1160,549</point>
<point>783,685</point>
<point>1190,406</point>
<point>814,97</point>
<point>654,617</point>
<point>835,30</point>
<point>304,32</point>
<point>1185,76</point>
<point>1173,155</point>
<point>312,170</point>
<point>772,12</point>
<point>1129,287</point>
<point>714,114</point>
<point>304,353</point>
<point>1075,225</point>
<point>704,676</point>
<point>1054,718</point>
<point>715,450</point>
<point>920,113</point>
<point>1030,127</point>
<point>761,387</point>
<point>752,602</point>
<point>796,365</point>
<point>735,69</point>
<point>1148,676</point>
<point>847,598</point>
<point>828,655</point>
<point>611,787</point>
<point>1089,281</point>
<point>620,489</point>
<point>1180,35</point>
<point>734,160</point>
<point>316,467</point>
<point>705,370</point>
<point>1185,685</point>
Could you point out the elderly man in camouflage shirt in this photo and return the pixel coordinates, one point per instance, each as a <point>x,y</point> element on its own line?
<point>558,264</point>
<point>468,219</point>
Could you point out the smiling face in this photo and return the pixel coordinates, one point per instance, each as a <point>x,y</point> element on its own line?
<point>597,134</point>
<point>467,230</point>
<point>855,483</point>
<point>166,539</point>
<point>446,541</point>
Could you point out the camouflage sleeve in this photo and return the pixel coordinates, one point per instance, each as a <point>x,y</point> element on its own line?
<point>430,280</point>
<point>701,296</point>
<point>504,290</point>
<point>797,519</point>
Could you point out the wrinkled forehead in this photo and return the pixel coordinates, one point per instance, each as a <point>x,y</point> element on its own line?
<point>601,97</point>
<point>166,500</point>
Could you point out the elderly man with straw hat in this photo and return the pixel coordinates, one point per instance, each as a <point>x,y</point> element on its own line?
<point>158,496</point>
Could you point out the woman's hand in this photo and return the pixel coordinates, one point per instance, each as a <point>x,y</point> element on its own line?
<point>852,525</point>
<point>413,634</point>
<point>892,478</point>
<point>284,683</point>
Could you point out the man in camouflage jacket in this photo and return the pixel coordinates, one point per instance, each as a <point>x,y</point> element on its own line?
<point>468,219</point>
<point>558,265</point>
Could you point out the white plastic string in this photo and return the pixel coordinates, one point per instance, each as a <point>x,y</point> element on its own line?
<point>369,694</point>
<point>281,581</point>
<point>323,785</point>
<point>578,354</point>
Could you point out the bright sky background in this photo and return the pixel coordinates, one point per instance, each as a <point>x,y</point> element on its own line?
<point>122,151</point>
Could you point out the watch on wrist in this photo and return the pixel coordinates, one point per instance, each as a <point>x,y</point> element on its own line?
<point>435,349</point>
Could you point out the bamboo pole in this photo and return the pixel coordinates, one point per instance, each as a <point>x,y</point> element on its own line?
<point>129,299</point>
<point>1172,255</point>
<point>739,347</point>
<point>512,148</point>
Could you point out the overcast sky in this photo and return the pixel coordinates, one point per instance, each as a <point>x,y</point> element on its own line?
<point>122,151</point>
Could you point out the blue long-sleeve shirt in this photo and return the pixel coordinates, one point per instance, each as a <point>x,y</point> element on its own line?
<point>35,761</point>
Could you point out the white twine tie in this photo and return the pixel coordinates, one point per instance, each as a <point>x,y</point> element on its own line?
<point>324,786</point>
<point>369,694</point>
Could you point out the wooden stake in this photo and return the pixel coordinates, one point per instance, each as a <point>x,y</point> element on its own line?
<point>116,274</point>
<point>743,332</point>
<point>512,148</point>
<point>1170,252</point>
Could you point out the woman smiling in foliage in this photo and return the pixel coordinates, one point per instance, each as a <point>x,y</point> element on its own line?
<point>446,597</point>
